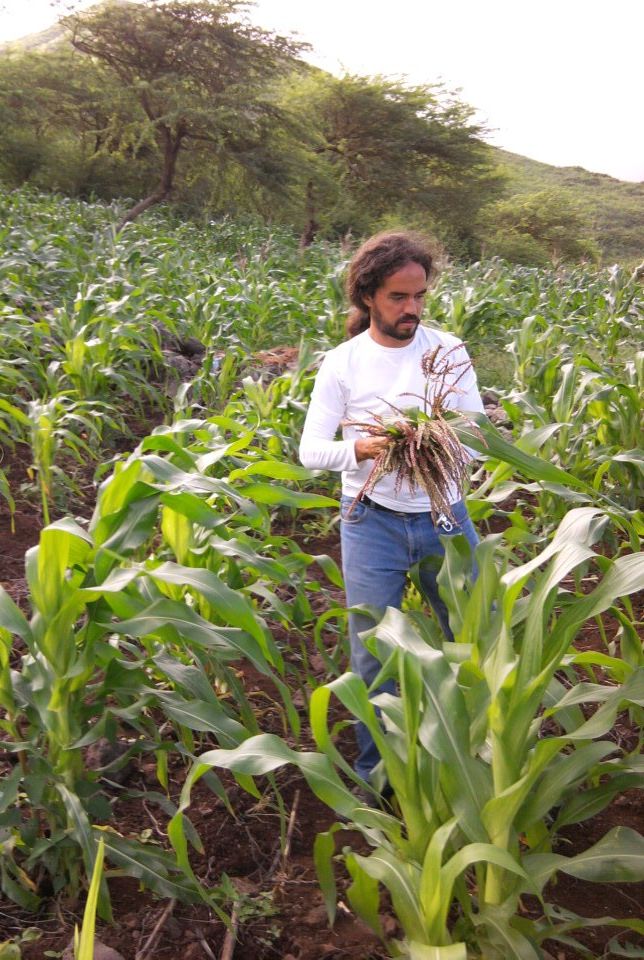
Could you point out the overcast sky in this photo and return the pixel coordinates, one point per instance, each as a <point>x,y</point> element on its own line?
<point>560,81</point>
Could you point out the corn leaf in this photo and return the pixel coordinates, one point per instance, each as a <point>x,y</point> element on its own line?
<point>323,852</point>
<point>85,949</point>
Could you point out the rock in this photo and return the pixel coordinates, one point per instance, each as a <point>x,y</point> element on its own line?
<point>182,357</point>
<point>167,340</point>
<point>497,415</point>
<point>193,952</point>
<point>182,365</point>
<point>101,952</point>
<point>103,753</point>
<point>316,917</point>
<point>191,347</point>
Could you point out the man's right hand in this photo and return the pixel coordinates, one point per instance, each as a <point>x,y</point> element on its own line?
<point>368,448</point>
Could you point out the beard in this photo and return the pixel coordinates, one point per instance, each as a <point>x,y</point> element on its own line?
<point>395,330</point>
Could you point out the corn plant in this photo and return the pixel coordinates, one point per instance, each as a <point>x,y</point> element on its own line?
<point>473,773</point>
<point>145,612</point>
<point>52,699</point>
<point>504,460</point>
<point>56,424</point>
<point>5,493</point>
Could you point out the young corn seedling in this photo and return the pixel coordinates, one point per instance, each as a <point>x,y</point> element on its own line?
<point>57,423</point>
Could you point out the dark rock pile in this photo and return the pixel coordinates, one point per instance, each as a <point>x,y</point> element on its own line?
<point>182,357</point>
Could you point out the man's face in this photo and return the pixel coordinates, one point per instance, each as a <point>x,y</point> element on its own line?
<point>396,306</point>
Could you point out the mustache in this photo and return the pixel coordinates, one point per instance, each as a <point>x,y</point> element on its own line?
<point>408,318</point>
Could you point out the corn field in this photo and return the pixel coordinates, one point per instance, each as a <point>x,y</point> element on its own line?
<point>180,612</point>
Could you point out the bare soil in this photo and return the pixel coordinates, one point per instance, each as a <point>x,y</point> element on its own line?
<point>282,916</point>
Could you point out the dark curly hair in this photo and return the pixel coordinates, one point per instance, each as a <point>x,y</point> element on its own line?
<point>373,262</point>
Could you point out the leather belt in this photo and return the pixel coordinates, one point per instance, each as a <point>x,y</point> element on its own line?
<point>442,521</point>
<point>378,506</point>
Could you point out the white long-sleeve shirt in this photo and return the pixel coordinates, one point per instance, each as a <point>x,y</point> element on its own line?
<point>360,378</point>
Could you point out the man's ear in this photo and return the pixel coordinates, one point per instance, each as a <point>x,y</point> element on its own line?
<point>368,301</point>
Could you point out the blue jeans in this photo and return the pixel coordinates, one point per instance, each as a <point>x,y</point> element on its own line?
<point>378,550</point>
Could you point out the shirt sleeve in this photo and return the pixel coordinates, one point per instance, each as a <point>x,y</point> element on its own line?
<point>319,450</point>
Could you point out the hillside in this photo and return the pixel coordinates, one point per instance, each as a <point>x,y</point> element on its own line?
<point>35,42</point>
<point>616,206</point>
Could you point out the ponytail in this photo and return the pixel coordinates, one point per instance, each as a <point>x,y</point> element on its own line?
<point>358,321</point>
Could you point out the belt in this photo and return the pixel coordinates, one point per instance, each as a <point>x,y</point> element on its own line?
<point>378,506</point>
<point>442,521</point>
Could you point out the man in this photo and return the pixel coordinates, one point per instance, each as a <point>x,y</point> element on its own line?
<point>385,534</point>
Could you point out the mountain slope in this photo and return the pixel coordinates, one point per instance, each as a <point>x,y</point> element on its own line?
<point>616,207</point>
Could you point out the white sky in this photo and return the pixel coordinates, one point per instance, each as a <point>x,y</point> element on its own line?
<point>560,81</point>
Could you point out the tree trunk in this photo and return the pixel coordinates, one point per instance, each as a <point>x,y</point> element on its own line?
<point>312,227</point>
<point>171,144</point>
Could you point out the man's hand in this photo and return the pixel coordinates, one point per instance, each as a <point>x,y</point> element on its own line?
<point>368,448</point>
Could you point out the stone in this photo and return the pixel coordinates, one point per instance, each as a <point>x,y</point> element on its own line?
<point>193,952</point>
<point>191,347</point>
<point>103,753</point>
<point>167,339</point>
<point>101,952</point>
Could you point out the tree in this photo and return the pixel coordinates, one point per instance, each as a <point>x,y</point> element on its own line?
<point>535,228</point>
<point>200,77</point>
<point>379,147</point>
<point>61,116</point>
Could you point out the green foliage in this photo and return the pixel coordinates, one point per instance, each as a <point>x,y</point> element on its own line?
<point>474,772</point>
<point>144,112</point>
<point>84,941</point>
<point>80,341</point>
<point>67,126</point>
<point>56,423</point>
<point>200,77</point>
<point>613,207</point>
<point>147,610</point>
<point>189,90</point>
<point>539,227</point>
<point>381,148</point>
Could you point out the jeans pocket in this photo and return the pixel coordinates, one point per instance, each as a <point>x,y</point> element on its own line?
<point>351,512</point>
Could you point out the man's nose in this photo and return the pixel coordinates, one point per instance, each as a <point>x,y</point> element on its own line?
<point>411,305</point>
